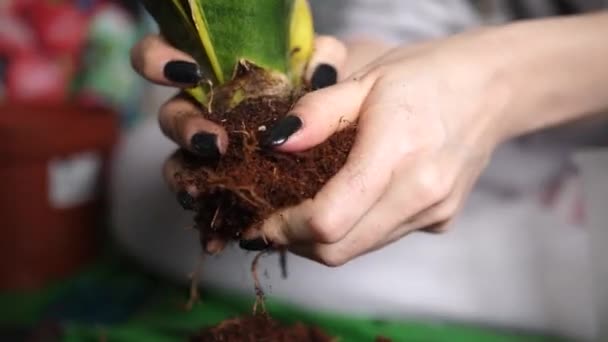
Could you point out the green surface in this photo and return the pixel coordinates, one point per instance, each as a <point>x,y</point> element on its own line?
<point>119,303</point>
<point>169,322</point>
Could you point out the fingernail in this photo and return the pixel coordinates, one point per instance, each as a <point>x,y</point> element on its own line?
<point>324,76</point>
<point>185,200</point>
<point>282,131</point>
<point>183,72</point>
<point>205,145</point>
<point>254,245</point>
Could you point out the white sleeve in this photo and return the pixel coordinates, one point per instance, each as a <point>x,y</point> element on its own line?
<point>394,20</point>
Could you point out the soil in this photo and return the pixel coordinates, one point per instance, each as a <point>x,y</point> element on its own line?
<point>248,183</point>
<point>258,328</point>
<point>240,189</point>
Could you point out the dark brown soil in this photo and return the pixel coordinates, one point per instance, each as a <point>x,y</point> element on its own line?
<point>258,328</point>
<point>262,328</point>
<point>249,183</point>
<point>245,186</point>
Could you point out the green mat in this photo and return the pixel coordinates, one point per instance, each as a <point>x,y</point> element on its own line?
<point>114,302</point>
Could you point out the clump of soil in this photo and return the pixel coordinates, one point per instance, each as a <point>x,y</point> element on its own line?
<point>260,328</point>
<point>249,183</point>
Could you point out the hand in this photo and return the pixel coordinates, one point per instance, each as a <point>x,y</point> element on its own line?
<point>181,120</point>
<point>428,119</point>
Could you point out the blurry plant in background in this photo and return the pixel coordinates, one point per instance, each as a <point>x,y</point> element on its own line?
<point>71,51</point>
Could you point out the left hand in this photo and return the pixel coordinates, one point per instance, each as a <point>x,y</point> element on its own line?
<point>181,119</point>
<point>428,119</point>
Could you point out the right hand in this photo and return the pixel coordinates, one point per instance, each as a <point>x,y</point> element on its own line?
<point>181,119</point>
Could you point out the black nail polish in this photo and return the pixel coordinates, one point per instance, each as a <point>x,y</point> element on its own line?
<point>205,145</point>
<point>254,245</point>
<point>185,200</point>
<point>282,131</point>
<point>183,72</point>
<point>324,76</point>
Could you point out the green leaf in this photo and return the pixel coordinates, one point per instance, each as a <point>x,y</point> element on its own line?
<point>254,30</point>
<point>219,33</point>
<point>173,19</point>
<point>301,39</point>
<point>202,26</point>
<point>175,23</point>
<point>275,35</point>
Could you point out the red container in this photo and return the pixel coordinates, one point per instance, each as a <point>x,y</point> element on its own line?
<point>53,165</point>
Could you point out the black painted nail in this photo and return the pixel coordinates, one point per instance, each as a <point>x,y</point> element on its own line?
<point>185,200</point>
<point>205,145</point>
<point>254,245</point>
<point>183,72</point>
<point>282,131</point>
<point>324,76</point>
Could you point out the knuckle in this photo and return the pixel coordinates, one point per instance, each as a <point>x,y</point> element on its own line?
<point>358,180</point>
<point>330,43</point>
<point>140,53</point>
<point>326,227</point>
<point>332,257</point>
<point>447,211</point>
<point>432,185</point>
<point>165,119</point>
<point>173,121</point>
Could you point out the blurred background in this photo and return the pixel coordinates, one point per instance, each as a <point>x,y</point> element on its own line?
<point>93,245</point>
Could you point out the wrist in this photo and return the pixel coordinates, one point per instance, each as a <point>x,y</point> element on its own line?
<point>547,72</point>
<point>487,68</point>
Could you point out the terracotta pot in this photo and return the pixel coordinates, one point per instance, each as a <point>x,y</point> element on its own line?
<point>53,164</point>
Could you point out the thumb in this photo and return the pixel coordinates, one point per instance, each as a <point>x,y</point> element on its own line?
<point>318,115</point>
<point>327,62</point>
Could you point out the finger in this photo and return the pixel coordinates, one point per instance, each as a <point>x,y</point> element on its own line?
<point>160,63</point>
<point>434,220</point>
<point>184,189</point>
<point>181,120</point>
<point>215,246</point>
<point>405,229</point>
<point>416,189</point>
<point>318,115</point>
<point>187,193</point>
<point>437,219</point>
<point>280,229</point>
<point>327,62</point>
<point>350,193</point>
